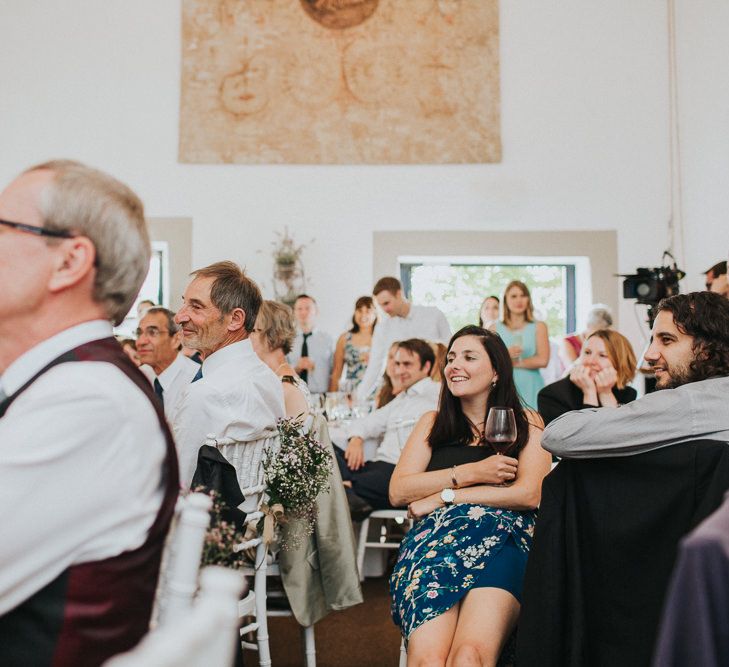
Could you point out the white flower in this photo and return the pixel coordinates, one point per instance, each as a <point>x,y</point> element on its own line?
<point>476,512</point>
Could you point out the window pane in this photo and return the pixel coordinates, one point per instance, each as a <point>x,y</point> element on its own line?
<point>458,290</point>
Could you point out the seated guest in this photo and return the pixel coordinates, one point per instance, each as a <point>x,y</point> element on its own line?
<point>353,347</point>
<point>311,354</point>
<point>87,465</point>
<point>272,337</point>
<point>143,306</point>
<point>368,482</point>
<point>390,384</point>
<point>234,394</point>
<point>456,587</point>
<point>599,317</point>
<point>599,378</point>
<point>158,346</point>
<point>608,529</point>
<point>404,320</point>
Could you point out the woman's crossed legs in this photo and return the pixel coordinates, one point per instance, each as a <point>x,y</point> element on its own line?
<point>472,632</point>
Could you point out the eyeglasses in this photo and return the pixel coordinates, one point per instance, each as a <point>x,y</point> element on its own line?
<point>150,332</point>
<point>38,231</point>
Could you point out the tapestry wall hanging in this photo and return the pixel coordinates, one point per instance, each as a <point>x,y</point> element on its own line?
<point>340,81</point>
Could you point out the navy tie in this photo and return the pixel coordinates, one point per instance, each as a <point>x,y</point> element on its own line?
<point>304,373</point>
<point>198,375</point>
<point>158,390</point>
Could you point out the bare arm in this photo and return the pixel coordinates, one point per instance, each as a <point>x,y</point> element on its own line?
<point>523,494</point>
<point>410,482</point>
<point>541,358</point>
<point>338,363</point>
<point>294,400</point>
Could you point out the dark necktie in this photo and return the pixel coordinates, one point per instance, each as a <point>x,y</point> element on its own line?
<point>198,375</point>
<point>158,390</point>
<point>3,402</point>
<point>304,374</point>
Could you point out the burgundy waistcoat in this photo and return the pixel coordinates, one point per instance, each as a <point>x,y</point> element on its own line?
<point>95,610</point>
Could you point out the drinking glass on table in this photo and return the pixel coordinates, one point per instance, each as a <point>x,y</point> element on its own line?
<point>500,429</point>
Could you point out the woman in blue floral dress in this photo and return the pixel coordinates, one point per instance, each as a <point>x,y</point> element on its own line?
<point>456,588</point>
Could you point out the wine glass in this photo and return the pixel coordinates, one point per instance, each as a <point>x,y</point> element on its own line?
<point>500,429</point>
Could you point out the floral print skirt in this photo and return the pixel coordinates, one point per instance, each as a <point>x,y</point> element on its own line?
<point>453,550</point>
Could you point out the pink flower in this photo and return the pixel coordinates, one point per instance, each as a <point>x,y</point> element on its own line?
<point>432,594</point>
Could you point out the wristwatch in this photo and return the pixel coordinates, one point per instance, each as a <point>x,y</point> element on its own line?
<point>447,496</point>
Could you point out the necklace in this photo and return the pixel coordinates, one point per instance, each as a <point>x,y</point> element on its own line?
<point>280,367</point>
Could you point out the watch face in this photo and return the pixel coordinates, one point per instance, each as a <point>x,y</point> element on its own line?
<point>447,495</point>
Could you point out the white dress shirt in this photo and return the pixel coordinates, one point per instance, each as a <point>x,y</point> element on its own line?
<point>394,421</point>
<point>81,453</point>
<point>425,322</point>
<point>321,351</point>
<point>174,380</point>
<point>238,397</point>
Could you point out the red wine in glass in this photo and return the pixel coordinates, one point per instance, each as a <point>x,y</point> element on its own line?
<point>500,429</point>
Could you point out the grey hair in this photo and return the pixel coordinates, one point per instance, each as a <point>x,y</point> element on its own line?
<point>172,326</point>
<point>600,316</point>
<point>91,203</point>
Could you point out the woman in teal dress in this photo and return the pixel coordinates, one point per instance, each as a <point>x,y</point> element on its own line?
<point>456,587</point>
<point>527,340</point>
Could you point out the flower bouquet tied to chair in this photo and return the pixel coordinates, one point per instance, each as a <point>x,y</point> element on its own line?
<point>295,475</point>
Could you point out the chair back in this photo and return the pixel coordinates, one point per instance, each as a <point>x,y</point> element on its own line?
<point>247,459</point>
<point>178,579</point>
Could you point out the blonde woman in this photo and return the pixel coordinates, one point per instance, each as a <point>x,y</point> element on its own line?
<point>272,338</point>
<point>599,378</point>
<point>527,340</point>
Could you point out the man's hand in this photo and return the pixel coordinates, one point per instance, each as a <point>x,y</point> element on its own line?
<point>305,364</point>
<point>354,454</point>
<point>496,469</point>
<point>424,506</point>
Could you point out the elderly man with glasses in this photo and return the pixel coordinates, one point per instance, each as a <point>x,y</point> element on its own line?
<point>88,469</point>
<point>158,346</point>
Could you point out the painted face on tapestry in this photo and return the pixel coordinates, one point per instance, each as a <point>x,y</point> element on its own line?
<point>468,369</point>
<point>246,91</point>
<point>670,353</point>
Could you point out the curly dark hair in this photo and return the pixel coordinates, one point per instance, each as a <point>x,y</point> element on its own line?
<point>705,317</point>
<point>451,426</point>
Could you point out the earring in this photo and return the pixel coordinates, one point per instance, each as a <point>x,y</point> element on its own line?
<point>493,383</point>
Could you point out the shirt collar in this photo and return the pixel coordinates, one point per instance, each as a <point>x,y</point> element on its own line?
<point>38,357</point>
<point>243,349</point>
<point>167,376</point>
<point>420,387</point>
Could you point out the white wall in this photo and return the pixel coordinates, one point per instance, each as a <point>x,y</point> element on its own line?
<point>584,130</point>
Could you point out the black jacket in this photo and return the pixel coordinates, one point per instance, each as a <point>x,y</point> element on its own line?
<point>604,547</point>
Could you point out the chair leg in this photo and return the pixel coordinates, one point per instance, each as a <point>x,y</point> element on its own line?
<point>259,583</point>
<point>307,634</point>
<point>364,529</point>
<point>403,655</point>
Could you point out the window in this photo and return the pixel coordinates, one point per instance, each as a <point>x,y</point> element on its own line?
<point>156,287</point>
<point>458,286</point>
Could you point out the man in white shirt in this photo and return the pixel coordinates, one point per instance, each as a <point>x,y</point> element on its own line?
<point>88,473</point>
<point>234,394</point>
<point>404,321</point>
<point>313,349</point>
<point>368,482</point>
<point>158,346</point>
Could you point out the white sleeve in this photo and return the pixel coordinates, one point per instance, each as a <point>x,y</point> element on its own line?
<point>373,426</point>
<point>377,362</point>
<point>81,454</point>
